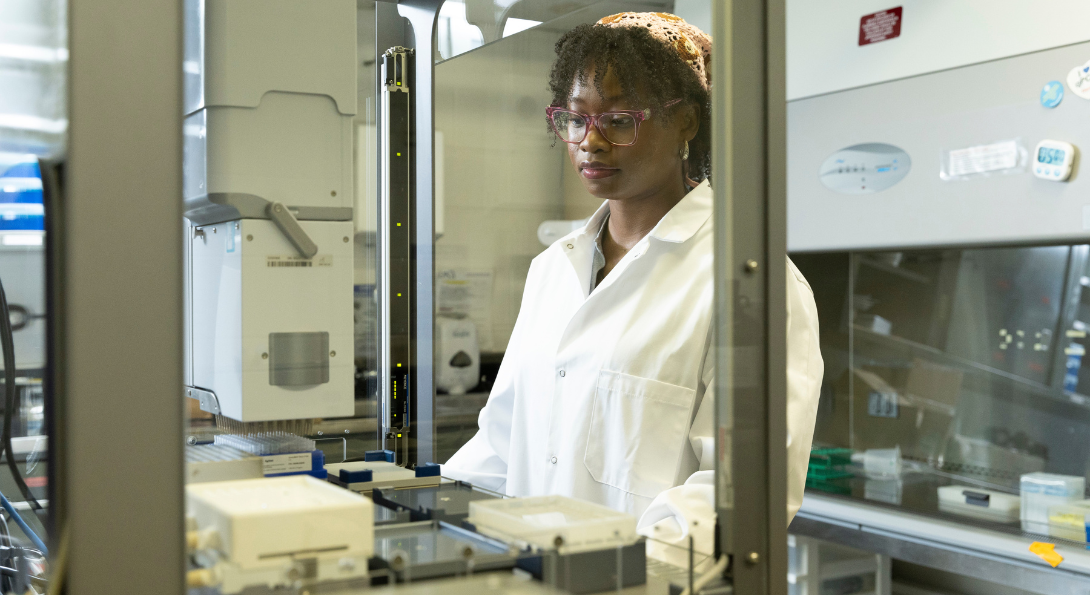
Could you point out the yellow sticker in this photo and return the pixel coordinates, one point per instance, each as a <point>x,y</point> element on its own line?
<point>1047,552</point>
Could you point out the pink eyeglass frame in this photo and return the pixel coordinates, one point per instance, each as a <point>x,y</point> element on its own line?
<point>638,115</point>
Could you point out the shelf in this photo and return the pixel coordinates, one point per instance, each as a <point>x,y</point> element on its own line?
<point>942,357</point>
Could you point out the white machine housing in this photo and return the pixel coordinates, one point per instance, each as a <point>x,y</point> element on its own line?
<point>269,106</point>
<point>276,531</point>
<point>245,290</point>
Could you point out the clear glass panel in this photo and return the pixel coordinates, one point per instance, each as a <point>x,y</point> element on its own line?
<point>338,437</point>
<point>33,62</point>
<point>33,124</point>
<point>503,194</point>
<point>454,34</point>
<point>364,433</point>
<point>465,25</point>
<point>496,190</point>
<point>969,361</point>
<point>505,191</point>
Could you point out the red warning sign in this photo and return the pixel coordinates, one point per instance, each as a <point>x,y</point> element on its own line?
<point>880,26</point>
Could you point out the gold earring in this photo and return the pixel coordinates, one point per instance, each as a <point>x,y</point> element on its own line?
<point>685,151</point>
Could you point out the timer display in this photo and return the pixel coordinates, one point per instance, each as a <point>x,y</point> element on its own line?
<point>1054,160</point>
<point>1050,156</point>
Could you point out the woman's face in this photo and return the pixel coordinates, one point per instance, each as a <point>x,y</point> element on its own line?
<point>646,168</point>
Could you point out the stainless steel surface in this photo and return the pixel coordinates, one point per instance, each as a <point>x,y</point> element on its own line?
<point>1033,577</point>
<point>916,492</point>
<point>299,359</point>
<point>206,398</point>
<point>342,426</point>
<point>121,309</point>
<point>748,160</point>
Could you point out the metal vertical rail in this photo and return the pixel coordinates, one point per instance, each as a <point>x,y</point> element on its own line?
<point>422,15</point>
<point>396,359</point>
<point>750,238</point>
<point>121,414</point>
<point>775,76</point>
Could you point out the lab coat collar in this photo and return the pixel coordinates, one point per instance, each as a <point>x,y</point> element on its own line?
<point>687,216</point>
<point>677,226</point>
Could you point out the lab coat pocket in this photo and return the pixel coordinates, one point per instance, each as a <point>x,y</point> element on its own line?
<point>638,429</point>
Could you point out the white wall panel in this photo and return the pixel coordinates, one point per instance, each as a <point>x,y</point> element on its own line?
<point>823,54</point>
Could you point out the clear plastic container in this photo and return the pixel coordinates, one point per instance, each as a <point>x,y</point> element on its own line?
<point>1042,490</point>
<point>880,463</point>
<point>1068,521</point>
<point>554,523</point>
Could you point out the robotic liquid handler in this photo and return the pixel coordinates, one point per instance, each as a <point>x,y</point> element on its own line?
<point>268,191</point>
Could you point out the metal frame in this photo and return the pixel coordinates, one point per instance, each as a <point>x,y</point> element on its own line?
<point>117,294</point>
<point>749,154</point>
<point>396,360</point>
<point>422,15</point>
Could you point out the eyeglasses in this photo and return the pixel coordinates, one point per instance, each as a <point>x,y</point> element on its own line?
<point>620,128</point>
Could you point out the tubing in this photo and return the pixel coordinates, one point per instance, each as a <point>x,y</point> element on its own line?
<point>25,527</point>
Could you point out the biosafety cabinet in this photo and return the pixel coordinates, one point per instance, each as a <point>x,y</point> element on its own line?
<point>938,207</point>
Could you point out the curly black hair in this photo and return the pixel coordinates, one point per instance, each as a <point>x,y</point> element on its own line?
<point>649,71</point>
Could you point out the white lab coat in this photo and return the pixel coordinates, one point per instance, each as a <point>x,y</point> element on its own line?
<point>601,396</point>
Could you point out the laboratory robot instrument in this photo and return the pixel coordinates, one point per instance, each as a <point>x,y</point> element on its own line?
<point>268,190</point>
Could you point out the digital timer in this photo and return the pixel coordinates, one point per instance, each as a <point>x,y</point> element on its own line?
<point>1053,160</point>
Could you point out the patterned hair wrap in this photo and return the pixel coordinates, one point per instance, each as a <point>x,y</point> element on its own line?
<point>693,45</point>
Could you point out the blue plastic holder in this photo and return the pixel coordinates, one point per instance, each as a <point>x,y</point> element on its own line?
<point>379,455</point>
<point>361,476</point>
<point>427,470</point>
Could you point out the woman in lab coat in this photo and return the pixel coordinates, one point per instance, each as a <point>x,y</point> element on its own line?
<point>605,391</point>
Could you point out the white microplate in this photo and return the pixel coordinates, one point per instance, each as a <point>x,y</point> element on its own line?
<point>554,522</point>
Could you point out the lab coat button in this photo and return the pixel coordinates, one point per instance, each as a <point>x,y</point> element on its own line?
<point>553,460</point>
<point>562,373</point>
<point>570,246</point>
